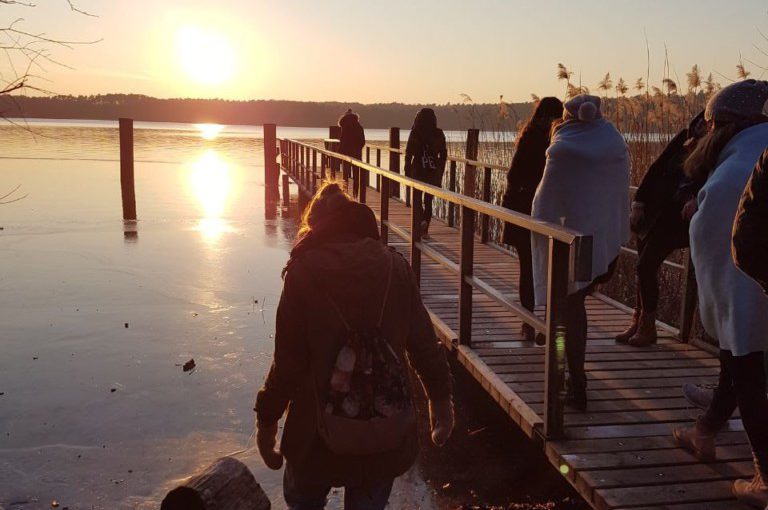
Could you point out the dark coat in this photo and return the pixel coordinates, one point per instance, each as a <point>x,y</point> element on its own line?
<point>665,189</point>
<point>309,335</point>
<point>750,230</point>
<point>434,143</point>
<point>523,178</point>
<point>352,136</point>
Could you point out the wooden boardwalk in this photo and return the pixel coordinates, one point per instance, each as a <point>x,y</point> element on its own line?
<point>620,453</point>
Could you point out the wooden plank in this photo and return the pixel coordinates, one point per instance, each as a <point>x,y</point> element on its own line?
<point>701,492</point>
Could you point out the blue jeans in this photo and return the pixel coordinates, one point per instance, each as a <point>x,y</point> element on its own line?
<point>304,495</point>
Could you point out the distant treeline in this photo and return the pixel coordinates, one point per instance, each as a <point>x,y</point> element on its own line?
<point>283,113</point>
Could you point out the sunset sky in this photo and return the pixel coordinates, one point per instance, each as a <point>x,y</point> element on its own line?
<point>375,51</point>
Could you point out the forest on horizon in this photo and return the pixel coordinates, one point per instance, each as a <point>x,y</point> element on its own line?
<point>501,116</point>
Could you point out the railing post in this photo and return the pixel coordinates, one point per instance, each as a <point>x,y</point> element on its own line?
<point>378,164</point>
<point>314,164</point>
<point>688,301</point>
<point>485,224</point>
<point>334,133</point>
<point>466,262</point>
<point>394,159</point>
<point>452,187</point>
<point>416,233</point>
<point>554,367</point>
<point>127,183</point>
<point>286,190</point>
<point>271,170</point>
<point>384,210</point>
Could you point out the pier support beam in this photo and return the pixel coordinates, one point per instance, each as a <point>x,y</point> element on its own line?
<point>127,184</point>
<point>271,169</point>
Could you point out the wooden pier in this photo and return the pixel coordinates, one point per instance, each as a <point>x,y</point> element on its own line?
<point>620,453</point>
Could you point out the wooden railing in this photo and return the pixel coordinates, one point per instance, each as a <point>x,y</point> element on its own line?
<point>687,309</point>
<point>570,252</point>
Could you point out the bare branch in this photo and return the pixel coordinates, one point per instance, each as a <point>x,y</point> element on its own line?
<point>80,11</point>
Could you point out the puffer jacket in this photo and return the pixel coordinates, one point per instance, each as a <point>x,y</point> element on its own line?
<point>308,338</point>
<point>750,229</point>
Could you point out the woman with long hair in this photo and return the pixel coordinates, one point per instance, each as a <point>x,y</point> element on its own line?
<point>522,180</point>
<point>659,218</point>
<point>425,158</point>
<point>732,305</point>
<point>585,187</point>
<point>350,317</point>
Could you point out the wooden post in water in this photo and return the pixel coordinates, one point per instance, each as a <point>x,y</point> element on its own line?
<point>394,159</point>
<point>466,262</point>
<point>271,169</point>
<point>127,184</point>
<point>286,190</point>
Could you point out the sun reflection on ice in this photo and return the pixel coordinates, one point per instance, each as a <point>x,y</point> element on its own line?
<point>209,131</point>
<point>211,183</point>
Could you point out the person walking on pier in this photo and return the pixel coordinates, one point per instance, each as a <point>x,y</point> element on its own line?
<point>661,211</point>
<point>522,180</point>
<point>352,141</point>
<point>425,157</point>
<point>733,307</point>
<point>350,317</point>
<point>585,187</point>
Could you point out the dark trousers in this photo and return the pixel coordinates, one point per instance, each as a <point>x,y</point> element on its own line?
<point>742,384</point>
<point>669,234</point>
<point>302,494</point>
<point>426,214</point>
<point>525,283</point>
<point>576,330</point>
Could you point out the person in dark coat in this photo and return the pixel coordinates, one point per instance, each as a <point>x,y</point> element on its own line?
<point>334,271</point>
<point>661,211</point>
<point>750,229</point>
<point>522,180</point>
<point>425,157</point>
<point>352,140</point>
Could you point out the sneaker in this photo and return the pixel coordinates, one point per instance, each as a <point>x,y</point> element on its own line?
<point>701,444</point>
<point>699,395</point>
<point>752,492</point>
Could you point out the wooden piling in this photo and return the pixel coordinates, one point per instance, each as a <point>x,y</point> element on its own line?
<point>127,184</point>
<point>394,159</point>
<point>286,190</point>
<point>466,262</point>
<point>271,169</point>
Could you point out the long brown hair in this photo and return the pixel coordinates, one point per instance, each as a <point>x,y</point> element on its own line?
<point>703,159</point>
<point>332,216</point>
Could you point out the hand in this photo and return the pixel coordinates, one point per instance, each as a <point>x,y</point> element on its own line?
<point>689,209</point>
<point>636,215</point>
<point>266,439</point>
<point>441,420</point>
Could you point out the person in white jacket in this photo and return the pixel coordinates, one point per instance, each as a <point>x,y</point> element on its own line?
<point>585,187</point>
<point>733,307</point>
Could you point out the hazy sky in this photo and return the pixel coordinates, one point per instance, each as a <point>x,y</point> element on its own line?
<point>376,51</point>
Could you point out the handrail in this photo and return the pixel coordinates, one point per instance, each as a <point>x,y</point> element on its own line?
<point>558,232</point>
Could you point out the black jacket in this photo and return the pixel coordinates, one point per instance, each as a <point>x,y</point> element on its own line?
<point>352,136</point>
<point>750,230</point>
<point>665,189</point>
<point>431,144</point>
<point>523,178</point>
<point>309,335</point>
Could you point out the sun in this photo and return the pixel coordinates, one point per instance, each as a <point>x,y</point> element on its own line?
<point>206,57</point>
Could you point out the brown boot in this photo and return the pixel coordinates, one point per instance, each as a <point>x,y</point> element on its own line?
<point>646,331</point>
<point>753,492</point>
<point>528,333</point>
<point>697,440</point>
<point>624,337</point>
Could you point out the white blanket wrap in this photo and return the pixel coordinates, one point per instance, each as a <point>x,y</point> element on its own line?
<point>585,187</point>
<point>733,307</point>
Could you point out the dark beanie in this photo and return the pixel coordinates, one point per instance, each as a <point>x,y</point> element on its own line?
<point>743,101</point>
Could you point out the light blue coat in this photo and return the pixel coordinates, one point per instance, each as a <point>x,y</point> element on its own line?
<point>733,308</point>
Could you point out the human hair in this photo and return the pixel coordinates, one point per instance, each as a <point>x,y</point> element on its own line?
<point>425,121</point>
<point>544,113</point>
<point>703,158</point>
<point>329,199</point>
